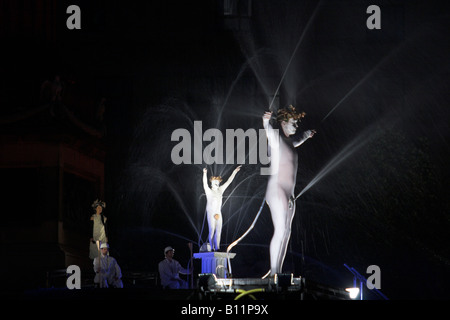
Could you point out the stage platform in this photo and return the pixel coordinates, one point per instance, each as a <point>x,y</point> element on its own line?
<point>208,288</point>
<point>282,286</point>
<point>215,262</point>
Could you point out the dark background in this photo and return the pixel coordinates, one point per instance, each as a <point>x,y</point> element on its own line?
<point>377,98</point>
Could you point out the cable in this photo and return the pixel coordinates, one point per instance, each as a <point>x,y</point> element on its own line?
<point>242,237</point>
<point>249,293</point>
<point>241,291</point>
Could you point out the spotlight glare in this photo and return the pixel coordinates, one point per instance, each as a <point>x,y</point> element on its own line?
<point>352,292</point>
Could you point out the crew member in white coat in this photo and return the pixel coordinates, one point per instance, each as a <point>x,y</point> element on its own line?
<point>169,271</point>
<point>107,270</point>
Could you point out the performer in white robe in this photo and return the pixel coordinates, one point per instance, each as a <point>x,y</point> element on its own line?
<point>281,184</point>
<point>98,228</point>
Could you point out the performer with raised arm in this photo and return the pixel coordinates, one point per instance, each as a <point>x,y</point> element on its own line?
<point>214,205</point>
<point>281,184</point>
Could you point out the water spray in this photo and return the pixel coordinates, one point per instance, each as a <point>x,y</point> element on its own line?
<point>292,56</point>
<point>369,133</point>
<point>367,76</point>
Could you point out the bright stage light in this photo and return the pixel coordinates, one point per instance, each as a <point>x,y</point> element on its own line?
<point>352,292</point>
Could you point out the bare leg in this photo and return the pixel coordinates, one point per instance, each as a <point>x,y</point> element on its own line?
<point>286,235</point>
<point>218,233</point>
<point>212,229</point>
<point>282,214</point>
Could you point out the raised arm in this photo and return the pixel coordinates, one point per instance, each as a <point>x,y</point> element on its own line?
<point>306,135</point>
<point>272,135</point>
<point>205,180</point>
<point>230,179</point>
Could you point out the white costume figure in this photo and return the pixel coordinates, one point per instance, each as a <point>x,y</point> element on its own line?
<point>169,271</point>
<point>281,184</point>
<point>98,229</point>
<point>107,271</point>
<point>214,206</point>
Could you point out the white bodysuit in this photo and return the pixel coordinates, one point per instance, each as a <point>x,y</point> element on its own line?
<point>214,208</point>
<point>280,191</point>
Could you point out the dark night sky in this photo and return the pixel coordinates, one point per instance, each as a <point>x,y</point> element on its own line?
<point>162,65</point>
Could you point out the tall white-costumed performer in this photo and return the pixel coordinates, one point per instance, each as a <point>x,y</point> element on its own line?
<point>281,184</point>
<point>214,205</point>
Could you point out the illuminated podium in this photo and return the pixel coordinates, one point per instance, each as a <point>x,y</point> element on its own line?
<point>215,262</point>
